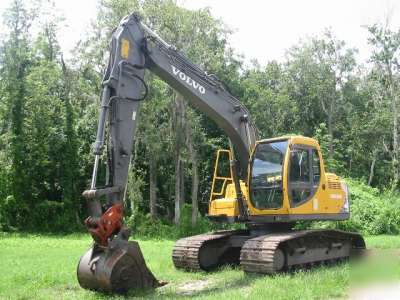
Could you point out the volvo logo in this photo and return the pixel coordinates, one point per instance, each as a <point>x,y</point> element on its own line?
<point>189,81</point>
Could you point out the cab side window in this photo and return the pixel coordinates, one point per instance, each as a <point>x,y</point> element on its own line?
<point>299,165</point>
<point>299,176</point>
<point>316,168</point>
<point>304,174</point>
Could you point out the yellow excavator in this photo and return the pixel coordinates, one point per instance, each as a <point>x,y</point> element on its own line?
<point>267,184</point>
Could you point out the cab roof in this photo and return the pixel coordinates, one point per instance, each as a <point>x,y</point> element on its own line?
<point>293,139</point>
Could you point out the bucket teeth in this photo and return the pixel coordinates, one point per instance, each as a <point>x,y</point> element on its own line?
<point>117,268</point>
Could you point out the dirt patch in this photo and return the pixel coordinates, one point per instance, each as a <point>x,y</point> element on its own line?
<point>194,287</point>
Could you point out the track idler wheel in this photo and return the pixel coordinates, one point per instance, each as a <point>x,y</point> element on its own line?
<point>117,268</point>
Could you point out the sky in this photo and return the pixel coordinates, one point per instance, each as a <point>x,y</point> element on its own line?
<point>263,29</point>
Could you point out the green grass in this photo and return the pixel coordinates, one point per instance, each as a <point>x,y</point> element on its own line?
<point>44,267</point>
<point>383,242</point>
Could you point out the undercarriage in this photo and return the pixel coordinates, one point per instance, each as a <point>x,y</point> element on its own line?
<point>266,250</point>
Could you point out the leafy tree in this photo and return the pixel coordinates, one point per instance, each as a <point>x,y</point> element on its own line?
<point>15,64</point>
<point>320,73</point>
<point>49,106</point>
<point>386,50</point>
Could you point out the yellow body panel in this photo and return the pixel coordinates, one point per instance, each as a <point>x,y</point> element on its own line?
<point>228,205</point>
<point>329,198</point>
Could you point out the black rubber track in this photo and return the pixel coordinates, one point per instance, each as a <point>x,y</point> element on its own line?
<point>188,252</point>
<point>275,252</point>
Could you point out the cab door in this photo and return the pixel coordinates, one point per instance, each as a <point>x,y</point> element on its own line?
<point>304,174</point>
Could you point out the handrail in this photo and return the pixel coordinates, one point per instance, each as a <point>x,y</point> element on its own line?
<point>216,177</point>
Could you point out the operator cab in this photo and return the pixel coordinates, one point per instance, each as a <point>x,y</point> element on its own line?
<point>286,182</point>
<point>303,172</point>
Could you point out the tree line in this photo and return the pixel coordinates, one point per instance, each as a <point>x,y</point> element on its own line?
<point>49,106</point>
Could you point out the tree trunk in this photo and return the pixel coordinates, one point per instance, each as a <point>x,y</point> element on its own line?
<point>195,189</point>
<point>330,133</point>
<point>177,184</point>
<point>372,167</point>
<point>70,164</point>
<point>395,159</point>
<point>350,162</point>
<point>328,109</point>
<point>182,184</point>
<point>195,179</point>
<point>179,140</point>
<point>195,175</point>
<point>153,188</point>
<point>395,153</point>
<point>178,200</point>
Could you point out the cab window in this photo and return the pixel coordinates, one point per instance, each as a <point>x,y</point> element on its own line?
<point>299,165</point>
<point>304,174</point>
<point>316,167</point>
<point>266,175</point>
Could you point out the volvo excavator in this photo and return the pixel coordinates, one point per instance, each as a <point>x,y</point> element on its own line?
<point>268,186</point>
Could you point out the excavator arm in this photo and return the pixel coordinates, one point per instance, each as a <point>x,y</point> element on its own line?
<point>134,48</point>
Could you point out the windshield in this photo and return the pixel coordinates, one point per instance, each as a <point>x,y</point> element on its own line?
<point>266,175</point>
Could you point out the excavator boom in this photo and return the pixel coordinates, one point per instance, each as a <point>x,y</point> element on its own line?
<point>114,263</point>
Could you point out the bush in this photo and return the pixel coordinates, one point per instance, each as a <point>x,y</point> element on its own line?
<point>371,211</point>
<point>46,216</point>
<point>144,226</point>
<point>51,216</point>
<point>8,214</point>
<point>185,227</point>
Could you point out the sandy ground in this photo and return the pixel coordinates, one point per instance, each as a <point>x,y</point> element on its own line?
<point>193,287</point>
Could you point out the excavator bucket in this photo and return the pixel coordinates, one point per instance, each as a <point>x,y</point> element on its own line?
<point>117,268</point>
